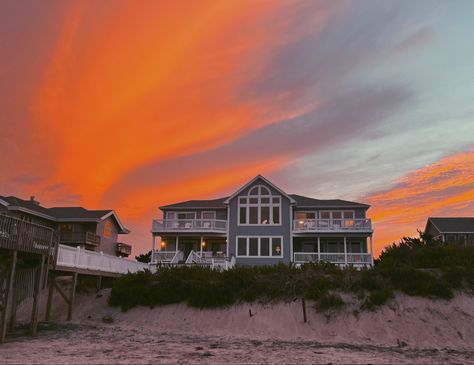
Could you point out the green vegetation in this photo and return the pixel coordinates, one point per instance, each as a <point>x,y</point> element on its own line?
<point>416,266</point>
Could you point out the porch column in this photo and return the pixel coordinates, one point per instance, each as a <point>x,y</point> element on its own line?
<point>345,250</point>
<point>177,241</point>
<point>202,239</point>
<point>319,249</point>
<point>153,243</point>
<point>371,251</point>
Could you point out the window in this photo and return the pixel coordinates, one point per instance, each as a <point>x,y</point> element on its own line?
<point>342,218</point>
<point>450,238</point>
<point>259,207</point>
<point>259,247</point>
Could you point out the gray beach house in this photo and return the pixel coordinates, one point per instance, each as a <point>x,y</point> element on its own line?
<point>260,224</point>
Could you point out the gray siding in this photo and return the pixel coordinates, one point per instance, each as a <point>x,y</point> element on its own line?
<point>108,244</point>
<point>264,230</point>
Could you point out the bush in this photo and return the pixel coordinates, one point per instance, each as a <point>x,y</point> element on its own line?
<point>379,297</point>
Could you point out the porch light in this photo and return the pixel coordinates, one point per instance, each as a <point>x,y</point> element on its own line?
<point>163,243</point>
<point>203,243</point>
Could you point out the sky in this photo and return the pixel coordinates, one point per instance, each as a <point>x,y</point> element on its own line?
<point>131,105</point>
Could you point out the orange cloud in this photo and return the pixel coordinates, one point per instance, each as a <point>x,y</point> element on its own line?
<point>443,188</point>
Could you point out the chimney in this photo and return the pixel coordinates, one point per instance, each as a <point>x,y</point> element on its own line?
<point>32,199</point>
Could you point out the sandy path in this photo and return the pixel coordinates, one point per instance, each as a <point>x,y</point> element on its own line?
<point>408,330</point>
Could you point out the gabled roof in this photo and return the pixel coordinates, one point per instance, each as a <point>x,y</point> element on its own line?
<point>306,202</point>
<point>452,224</point>
<point>198,204</point>
<point>267,182</point>
<point>61,214</point>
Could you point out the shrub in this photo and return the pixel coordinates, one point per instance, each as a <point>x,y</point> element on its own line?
<point>379,297</point>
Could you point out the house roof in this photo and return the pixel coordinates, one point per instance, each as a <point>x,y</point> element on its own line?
<point>259,177</point>
<point>196,204</point>
<point>301,202</point>
<point>307,202</point>
<point>61,214</point>
<point>453,224</point>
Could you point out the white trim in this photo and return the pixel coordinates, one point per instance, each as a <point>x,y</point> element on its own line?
<point>112,212</point>
<point>259,205</point>
<point>3,202</point>
<point>270,237</point>
<point>251,182</point>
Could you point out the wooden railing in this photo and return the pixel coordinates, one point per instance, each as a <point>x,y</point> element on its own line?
<point>214,262</point>
<point>76,257</point>
<point>313,225</point>
<point>196,225</point>
<point>335,258</point>
<point>124,249</point>
<point>16,234</point>
<point>79,238</point>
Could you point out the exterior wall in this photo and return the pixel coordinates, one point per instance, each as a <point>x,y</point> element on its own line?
<point>282,230</point>
<point>107,230</point>
<point>432,230</point>
<point>30,218</point>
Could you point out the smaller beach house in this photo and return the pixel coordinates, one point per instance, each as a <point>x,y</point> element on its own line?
<point>457,230</point>
<point>93,230</point>
<point>260,224</point>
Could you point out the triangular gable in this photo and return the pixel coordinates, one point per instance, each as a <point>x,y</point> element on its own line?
<point>430,222</point>
<point>264,180</point>
<point>119,223</point>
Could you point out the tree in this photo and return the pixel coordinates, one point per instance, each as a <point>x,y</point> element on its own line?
<point>144,257</point>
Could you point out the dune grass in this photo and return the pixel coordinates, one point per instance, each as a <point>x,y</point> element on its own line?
<point>416,266</point>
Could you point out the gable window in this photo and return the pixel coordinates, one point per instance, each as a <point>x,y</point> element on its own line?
<point>259,247</point>
<point>259,207</point>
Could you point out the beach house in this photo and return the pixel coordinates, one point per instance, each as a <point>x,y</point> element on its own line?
<point>260,224</point>
<point>458,230</point>
<point>94,230</point>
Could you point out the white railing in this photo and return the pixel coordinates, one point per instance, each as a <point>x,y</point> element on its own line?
<point>214,262</point>
<point>311,225</point>
<point>196,225</point>
<point>91,260</point>
<point>335,258</point>
<point>163,256</point>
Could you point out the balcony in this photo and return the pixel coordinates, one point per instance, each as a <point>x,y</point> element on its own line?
<point>189,225</point>
<point>355,259</point>
<point>123,249</point>
<point>332,225</point>
<point>89,239</point>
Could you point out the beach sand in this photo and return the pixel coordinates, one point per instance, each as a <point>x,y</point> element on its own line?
<point>406,330</point>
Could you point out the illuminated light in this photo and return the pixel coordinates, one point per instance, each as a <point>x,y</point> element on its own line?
<point>203,243</point>
<point>163,243</point>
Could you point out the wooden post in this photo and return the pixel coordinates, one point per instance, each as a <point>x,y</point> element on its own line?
<point>99,283</point>
<point>303,303</point>
<point>8,294</point>
<point>371,252</point>
<point>14,306</point>
<point>71,296</point>
<point>50,297</point>
<point>37,297</point>
<point>345,251</point>
<point>200,250</point>
<point>319,249</point>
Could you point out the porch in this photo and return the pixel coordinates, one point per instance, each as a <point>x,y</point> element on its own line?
<point>332,225</point>
<point>189,225</point>
<point>209,251</point>
<point>343,251</point>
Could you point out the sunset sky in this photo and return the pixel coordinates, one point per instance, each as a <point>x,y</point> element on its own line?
<point>130,105</point>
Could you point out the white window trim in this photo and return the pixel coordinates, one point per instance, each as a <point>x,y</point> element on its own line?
<point>175,213</point>
<point>259,205</point>
<point>331,218</point>
<point>208,211</point>
<point>259,248</point>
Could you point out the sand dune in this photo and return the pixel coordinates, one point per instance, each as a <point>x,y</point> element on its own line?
<point>407,330</point>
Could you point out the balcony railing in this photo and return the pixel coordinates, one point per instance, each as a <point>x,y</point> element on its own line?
<point>196,225</point>
<point>329,225</point>
<point>124,249</point>
<point>335,258</point>
<point>79,238</point>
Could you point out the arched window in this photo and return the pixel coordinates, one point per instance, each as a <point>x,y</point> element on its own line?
<point>259,207</point>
